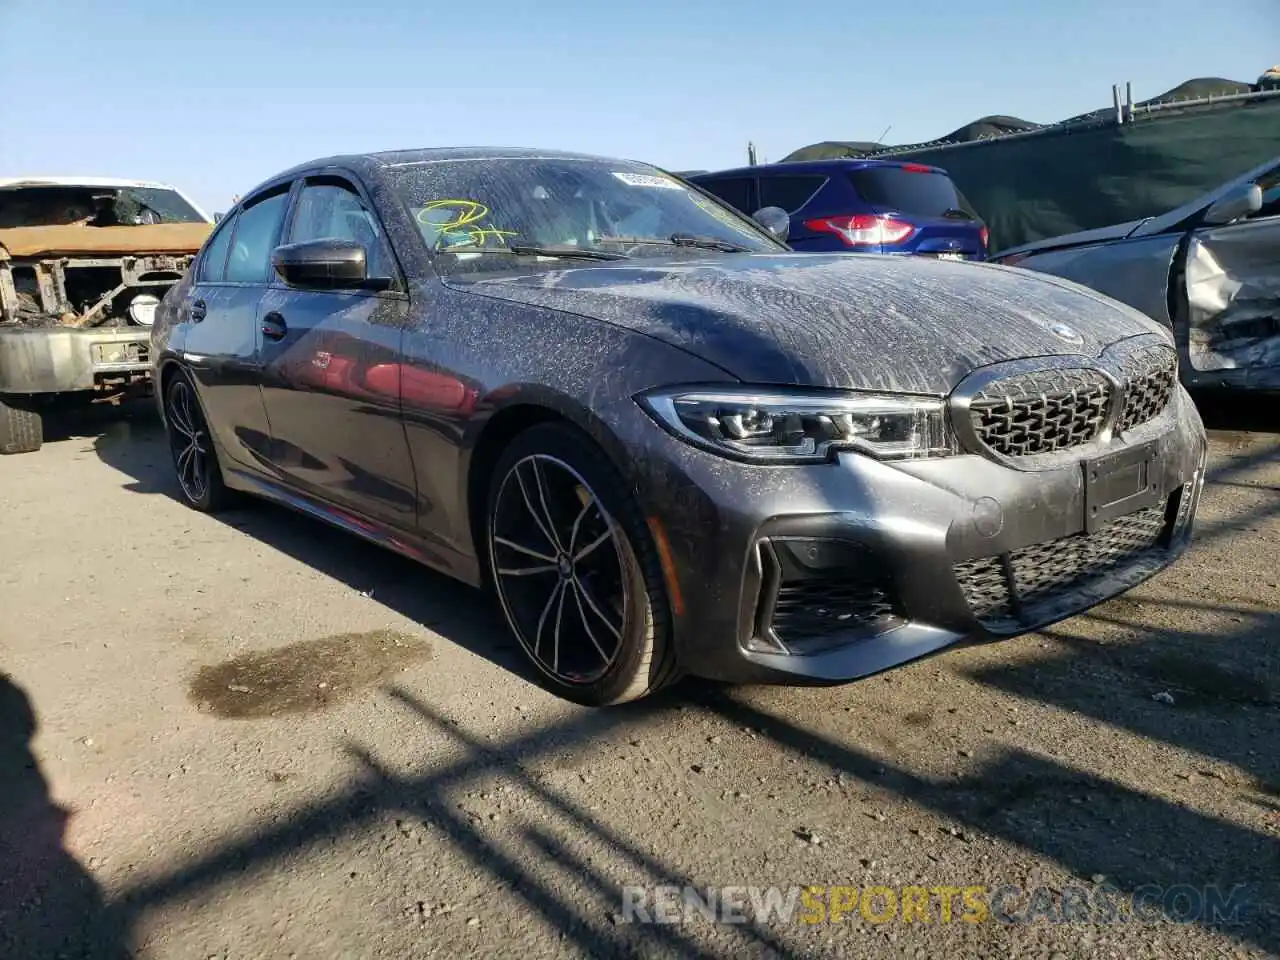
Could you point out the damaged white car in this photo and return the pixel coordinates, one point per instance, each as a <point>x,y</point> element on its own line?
<point>1209,269</point>
<point>83,265</point>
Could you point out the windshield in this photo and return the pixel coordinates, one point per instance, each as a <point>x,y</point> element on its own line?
<point>913,190</point>
<point>52,206</point>
<point>472,208</point>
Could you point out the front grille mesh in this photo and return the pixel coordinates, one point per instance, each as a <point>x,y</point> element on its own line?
<point>807,611</point>
<point>1150,374</point>
<point>1045,571</point>
<point>1041,412</point>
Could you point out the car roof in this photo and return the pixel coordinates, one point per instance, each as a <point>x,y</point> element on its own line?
<point>7,183</point>
<point>401,158</point>
<point>373,163</point>
<point>384,159</point>
<point>835,164</point>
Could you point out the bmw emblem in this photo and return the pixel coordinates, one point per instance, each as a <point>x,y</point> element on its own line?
<point>1063,332</point>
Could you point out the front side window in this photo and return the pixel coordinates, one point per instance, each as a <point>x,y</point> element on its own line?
<point>257,228</point>
<point>332,211</point>
<point>469,208</point>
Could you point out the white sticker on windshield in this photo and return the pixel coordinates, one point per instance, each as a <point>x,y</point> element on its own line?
<point>647,180</point>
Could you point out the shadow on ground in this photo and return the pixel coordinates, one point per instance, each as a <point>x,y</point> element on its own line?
<point>455,611</point>
<point>49,904</point>
<point>1083,820</point>
<point>97,420</point>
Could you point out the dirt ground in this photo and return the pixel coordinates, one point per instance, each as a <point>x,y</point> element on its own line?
<point>252,736</point>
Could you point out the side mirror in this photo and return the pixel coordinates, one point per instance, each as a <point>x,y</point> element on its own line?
<point>328,264</point>
<point>1229,208</point>
<point>775,220</point>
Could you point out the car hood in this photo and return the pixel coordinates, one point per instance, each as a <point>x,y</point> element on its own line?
<point>873,322</point>
<point>1116,231</point>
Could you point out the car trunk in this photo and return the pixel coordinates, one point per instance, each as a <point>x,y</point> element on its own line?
<point>946,225</point>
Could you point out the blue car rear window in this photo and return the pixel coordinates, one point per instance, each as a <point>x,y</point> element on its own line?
<point>915,191</point>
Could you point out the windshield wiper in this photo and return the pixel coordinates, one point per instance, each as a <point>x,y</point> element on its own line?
<point>954,213</point>
<point>681,240</point>
<point>531,250</point>
<point>568,253</point>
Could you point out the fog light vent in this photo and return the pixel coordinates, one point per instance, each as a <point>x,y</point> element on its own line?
<point>817,594</point>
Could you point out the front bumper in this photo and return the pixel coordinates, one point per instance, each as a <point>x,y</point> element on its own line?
<point>832,572</point>
<point>64,360</point>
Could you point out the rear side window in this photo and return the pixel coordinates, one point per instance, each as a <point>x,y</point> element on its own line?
<point>737,192</point>
<point>215,257</point>
<point>789,193</point>
<point>257,228</point>
<point>908,189</point>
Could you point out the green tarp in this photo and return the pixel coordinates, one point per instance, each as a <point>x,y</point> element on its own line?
<point>1093,173</point>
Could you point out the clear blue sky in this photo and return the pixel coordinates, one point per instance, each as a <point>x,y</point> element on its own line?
<point>222,94</point>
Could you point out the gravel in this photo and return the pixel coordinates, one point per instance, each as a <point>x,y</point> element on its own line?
<point>270,739</point>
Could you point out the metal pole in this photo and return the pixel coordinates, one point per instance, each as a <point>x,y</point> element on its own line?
<point>751,154</point>
<point>1115,98</point>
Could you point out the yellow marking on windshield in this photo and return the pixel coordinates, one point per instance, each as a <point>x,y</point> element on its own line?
<point>467,212</point>
<point>464,227</point>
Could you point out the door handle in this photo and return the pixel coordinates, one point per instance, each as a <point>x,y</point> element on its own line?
<point>198,311</point>
<point>273,326</point>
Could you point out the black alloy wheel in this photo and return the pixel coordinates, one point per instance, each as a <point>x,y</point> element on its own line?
<point>574,570</point>
<point>191,445</point>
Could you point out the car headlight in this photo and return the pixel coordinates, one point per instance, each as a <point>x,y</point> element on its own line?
<point>142,309</point>
<point>772,426</point>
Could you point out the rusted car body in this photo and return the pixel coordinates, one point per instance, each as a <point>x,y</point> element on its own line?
<point>83,265</point>
<point>1210,270</point>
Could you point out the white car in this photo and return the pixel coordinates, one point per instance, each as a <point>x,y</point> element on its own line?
<point>84,262</point>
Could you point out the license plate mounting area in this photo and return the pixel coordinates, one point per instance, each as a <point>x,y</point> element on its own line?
<point>1120,483</point>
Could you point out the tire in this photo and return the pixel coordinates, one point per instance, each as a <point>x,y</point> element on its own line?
<point>611,611</point>
<point>21,427</point>
<point>195,458</point>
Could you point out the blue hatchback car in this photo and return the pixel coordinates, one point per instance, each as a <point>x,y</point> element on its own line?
<point>868,206</point>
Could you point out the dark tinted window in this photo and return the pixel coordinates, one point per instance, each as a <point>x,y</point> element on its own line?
<point>215,255</point>
<point>789,193</point>
<point>907,190</point>
<point>735,191</point>
<point>257,228</point>
<point>329,210</point>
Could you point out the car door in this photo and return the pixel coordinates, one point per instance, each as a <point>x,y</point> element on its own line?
<point>221,342</point>
<point>332,367</point>
<point>1232,278</point>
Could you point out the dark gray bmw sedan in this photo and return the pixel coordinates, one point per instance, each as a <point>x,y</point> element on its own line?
<point>667,443</point>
